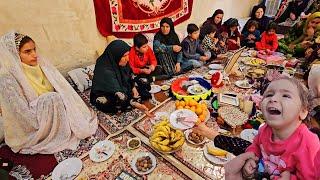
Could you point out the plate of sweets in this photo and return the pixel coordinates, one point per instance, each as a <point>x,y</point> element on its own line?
<point>194,138</point>
<point>144,163</point>
<point>102,151</point>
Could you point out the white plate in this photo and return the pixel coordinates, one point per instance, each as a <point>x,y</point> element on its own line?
<point>191,89</point>
<point>155,89</point>
<point>215,159</point>
<point>216,66</point>
<point>248,134</point>
<point>67,169</point>
<point>158,115</point>
<point>240,84</point>
<point>186,134</point>
<point>143,154</point>
<point>108,147</point>
<point>181,113</point>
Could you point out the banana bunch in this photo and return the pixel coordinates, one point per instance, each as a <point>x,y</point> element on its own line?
<point>257,62</point>
<point>216,152</point>
<point>164,138</point>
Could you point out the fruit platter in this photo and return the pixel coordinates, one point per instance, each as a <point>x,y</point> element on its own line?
<point>165,138</point>
<point>187,88</point>
<point>199,108</point>
<point>254,61</point>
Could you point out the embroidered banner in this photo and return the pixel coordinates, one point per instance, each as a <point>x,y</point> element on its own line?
<point>124,18</point>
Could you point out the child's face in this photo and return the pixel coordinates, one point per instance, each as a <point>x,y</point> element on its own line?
<point>212,34</point>
<point>271,31</point>
<point>233,28</point>
<point>281,104</point>
<point>252,29</point>
<point>195,35</point>
<point>143,49</point>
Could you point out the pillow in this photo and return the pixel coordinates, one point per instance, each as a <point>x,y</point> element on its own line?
<point>82,77</point>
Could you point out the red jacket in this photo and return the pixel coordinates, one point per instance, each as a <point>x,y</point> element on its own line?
<point>138,62</point>
<point>267,42</point>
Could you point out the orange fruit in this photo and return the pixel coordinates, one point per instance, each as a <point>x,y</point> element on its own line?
<point>199,111</point>
<point>193,108</point>
<point>204,106</point>
<point>204,112</point>
<point>177,103</point>
<point>187,102</point>
<point>202,117</point>
<point>182,103</point>
<point>179,107</point>
<point>193,102</point>
<point>187,107</point>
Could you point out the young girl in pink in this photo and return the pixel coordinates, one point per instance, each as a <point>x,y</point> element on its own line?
<point>285,146</point>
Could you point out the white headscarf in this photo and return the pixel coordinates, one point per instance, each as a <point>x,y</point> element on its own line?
<point>42,124</point>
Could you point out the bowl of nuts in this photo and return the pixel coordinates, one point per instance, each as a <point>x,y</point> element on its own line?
<point>194,138</point>
<point>143,163</point>
<point>133,143</point>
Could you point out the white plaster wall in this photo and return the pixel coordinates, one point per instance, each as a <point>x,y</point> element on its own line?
<point>65,30</point>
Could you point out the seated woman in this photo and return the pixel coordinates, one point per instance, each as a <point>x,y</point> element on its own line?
<point>113,87</point>
<point>257,14</point>
<point>297,45</point>
<point>167,48</point>
<point>41,112</point>
<point>216,20</point>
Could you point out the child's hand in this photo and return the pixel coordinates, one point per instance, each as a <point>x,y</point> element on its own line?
<point>215,40</point>
<point>152,67</point>
<point>222,43</point>
<point>233,41</point>
<point>176,48</point>
<point>177,68</point>
<point>249,168</point>
<point>146,71</point>
<point>308,52</point>
<point>285,175</point>
<point>204,58</point>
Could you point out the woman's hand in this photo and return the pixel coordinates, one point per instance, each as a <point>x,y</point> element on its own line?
<point>143,108</point>
<point>176,48</point>
<point>135,92</point>
<point>233,168</point>
<point>177,68</point>
<point>249,168</point>
<point>204,130</point>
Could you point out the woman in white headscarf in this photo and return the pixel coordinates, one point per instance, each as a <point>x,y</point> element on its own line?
<point>41,113</point>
